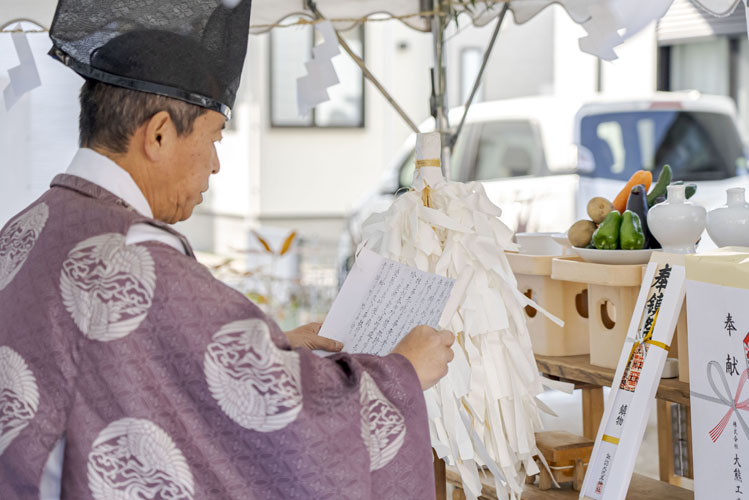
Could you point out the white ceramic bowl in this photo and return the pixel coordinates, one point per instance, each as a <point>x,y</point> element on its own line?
<point>539,244</point>
<point>564,242</point>
<point>613,256</point>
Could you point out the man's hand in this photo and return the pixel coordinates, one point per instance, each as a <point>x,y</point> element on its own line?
<point>429,352</point>
<point>307,336</point>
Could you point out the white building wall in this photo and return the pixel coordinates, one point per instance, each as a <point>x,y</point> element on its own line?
<point>574,71</point>
<point>542,57</point>
<point>521,63</point>
<point>322,172</point>
<point>39,134</point>
<point>307,179</point>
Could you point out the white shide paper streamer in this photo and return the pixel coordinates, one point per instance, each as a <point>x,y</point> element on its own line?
<point>485,411</point>
<point>25,76</point>
<point>312,89</point>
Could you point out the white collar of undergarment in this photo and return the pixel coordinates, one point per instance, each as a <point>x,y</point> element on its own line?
<point>100,170</point>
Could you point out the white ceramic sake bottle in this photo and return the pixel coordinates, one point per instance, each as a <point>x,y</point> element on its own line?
<point>729,225</point>
<point>677,223</point>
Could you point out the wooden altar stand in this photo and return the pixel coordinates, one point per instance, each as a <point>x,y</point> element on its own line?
<point>641,488</point>
<point>591,379</point>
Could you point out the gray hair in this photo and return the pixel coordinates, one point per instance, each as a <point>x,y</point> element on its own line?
<point>110,115</point>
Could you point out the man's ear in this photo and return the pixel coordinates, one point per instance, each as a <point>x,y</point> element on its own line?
<point>159,133</point>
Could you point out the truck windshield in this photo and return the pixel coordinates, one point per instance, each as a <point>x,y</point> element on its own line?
<point>698,145</point>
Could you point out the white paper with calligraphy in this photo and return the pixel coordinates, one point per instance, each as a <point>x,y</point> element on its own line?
<point>381,301</point>
<point>636,379</point>
<point>718,326</point>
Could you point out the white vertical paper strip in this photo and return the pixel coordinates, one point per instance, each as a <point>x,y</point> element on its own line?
<point>627,408</point>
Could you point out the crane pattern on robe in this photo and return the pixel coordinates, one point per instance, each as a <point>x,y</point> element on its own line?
<point>256,384</point>
<point>18,239</point>
<point>19,395</point>
<point>107,286</point>
<point>134,458</point>
<point>168,384</point>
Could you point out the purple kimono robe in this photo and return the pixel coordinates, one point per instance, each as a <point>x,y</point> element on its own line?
<point>167,384</point>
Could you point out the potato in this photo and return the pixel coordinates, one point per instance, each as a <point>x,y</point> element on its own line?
<point>598,209</point>
<point>581,232</point>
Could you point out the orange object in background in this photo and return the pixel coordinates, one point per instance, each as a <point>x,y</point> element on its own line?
<point>639,177</point>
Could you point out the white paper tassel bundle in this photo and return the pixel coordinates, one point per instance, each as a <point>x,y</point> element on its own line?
<point>484,412</point>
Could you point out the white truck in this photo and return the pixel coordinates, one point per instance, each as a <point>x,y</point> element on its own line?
<point>541,159</point>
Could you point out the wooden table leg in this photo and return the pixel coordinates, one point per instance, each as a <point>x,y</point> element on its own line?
<point>440,477</point>
<point>592,410</point>
<point>544,479</point>
<point>578,475</point>
<point>665,442</point>
<point>459,494</point>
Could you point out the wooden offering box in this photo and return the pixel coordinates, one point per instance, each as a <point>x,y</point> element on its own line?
<point>567,456</point>
<point>612,293</point>
<point>566,300</point>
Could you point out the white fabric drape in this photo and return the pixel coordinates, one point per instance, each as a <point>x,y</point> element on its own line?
<point>607,22</point>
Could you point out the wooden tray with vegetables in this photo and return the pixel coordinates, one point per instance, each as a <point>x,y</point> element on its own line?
<point>617,231</point>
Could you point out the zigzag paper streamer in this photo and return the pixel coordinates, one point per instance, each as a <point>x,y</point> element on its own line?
<point>312,88</point>
<point>25,76</point>
<point>484,412</point>
<point>611,22</point>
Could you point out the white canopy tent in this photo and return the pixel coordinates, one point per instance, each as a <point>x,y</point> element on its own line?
<point>270,12</point>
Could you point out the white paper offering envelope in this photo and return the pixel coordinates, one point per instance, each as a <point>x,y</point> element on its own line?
<point>636,379</point>
<point>718,322</point>
<point>381,301</point>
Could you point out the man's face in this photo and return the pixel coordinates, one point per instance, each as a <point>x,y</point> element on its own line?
<point>192,161</point>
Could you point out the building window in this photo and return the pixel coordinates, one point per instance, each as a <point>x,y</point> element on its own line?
<point>701,66</point>
<point>290,49</point>
<point>719,66</point>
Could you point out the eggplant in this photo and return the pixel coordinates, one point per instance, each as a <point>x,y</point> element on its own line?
<point>638,203</point>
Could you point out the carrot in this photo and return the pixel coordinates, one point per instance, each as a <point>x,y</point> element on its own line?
<point>639,177</point>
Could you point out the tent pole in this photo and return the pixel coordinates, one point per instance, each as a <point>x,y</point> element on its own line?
<point>438,100</point>
<point>359,62</point>
<point>454,137</point>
